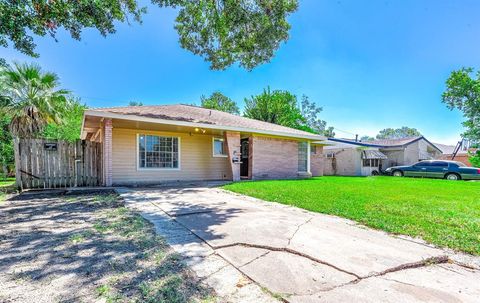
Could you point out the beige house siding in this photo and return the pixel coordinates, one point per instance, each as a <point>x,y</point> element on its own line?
<point>274,158</point>
<point>347,162</point>
<point>395,157</point>
<point>411,154</point>
<point>196,159</point>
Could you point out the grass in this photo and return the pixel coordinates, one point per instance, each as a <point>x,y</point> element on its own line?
<point>441,212</point>
<point>7,185</point>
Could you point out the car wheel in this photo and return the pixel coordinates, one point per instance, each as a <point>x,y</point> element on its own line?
<point>452,177</point>
<point>397,173</point>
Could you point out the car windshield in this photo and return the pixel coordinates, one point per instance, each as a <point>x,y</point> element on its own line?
<point>460,164</point>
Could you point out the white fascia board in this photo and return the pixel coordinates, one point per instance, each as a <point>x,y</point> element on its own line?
<point>199,125</point>
<point>82,133</point>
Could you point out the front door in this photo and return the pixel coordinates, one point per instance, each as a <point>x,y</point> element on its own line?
<point>244,163</point>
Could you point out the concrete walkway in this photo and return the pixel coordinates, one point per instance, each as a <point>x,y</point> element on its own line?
<point>253,251</point>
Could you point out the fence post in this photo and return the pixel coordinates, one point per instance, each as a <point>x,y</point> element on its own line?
<point>18,176</point>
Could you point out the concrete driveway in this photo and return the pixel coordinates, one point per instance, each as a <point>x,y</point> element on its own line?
<point>249,250</point>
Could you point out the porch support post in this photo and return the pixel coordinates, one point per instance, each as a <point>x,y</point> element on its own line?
<point>107,152</point>
<point>233,145</point>
<point>250,157</point>
<point>309,155</point>
<point>18,176</point>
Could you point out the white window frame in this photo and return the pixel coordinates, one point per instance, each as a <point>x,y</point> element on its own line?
<point>213,148</point>
<point>308,157</point>
<point>158,168</point>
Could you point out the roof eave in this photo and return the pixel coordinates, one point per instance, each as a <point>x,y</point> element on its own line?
<point>111,115</point>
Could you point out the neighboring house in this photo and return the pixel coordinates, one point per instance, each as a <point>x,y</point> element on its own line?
<point>157,144</point>
<point>356,158</point>
<point>462,152</point>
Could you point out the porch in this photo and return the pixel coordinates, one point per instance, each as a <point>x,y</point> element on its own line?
<point>146,152</point>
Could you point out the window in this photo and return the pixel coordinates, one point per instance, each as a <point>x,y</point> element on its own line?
<point>371,162</point>
<point>440,164</point>
<point>423,164</point>
<point>303,156</point>
<point>158,152</point>
<point>330,155</point>
<point>219,148</point>
<point>313,150</point>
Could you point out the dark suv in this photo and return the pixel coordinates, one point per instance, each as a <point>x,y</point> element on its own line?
<point>450,170</point>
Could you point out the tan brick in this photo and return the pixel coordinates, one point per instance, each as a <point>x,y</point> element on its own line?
<point>274,158</point>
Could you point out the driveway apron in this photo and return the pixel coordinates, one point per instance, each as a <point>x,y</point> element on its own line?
<point>250,250</point>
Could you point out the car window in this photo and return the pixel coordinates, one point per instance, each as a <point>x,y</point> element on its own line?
<point>440,164</point>
<point>460,164</point>
<point>423,164</point>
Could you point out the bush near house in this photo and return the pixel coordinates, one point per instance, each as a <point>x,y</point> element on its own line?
<point>441,212</point>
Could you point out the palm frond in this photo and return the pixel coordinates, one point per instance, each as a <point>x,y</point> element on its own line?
<point>31,98</point>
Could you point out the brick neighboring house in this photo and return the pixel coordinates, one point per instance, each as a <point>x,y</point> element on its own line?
<point>462,154</point>
<point>157,144</point>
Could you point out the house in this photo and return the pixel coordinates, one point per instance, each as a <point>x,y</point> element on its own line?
<point>157,144</point>
<point>459,153</point>
<point>357,158</point>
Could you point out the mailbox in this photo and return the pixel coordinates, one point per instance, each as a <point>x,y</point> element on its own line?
<point>50,146</point>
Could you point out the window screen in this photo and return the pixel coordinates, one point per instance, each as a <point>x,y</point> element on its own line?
<point>157,152</point>
<point>218,147</point>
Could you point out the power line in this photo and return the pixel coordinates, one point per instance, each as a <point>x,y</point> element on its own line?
<point>344,131</point>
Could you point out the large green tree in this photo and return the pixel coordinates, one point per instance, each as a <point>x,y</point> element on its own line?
<point>278,107</point>
<point>463,93</point>
<point>135,103</point>
<point>31,98</point>
<point>221,31</point>
<point>282,107</point>
<point>71,125</point>
<point>398,133</point>
<point>219,101</point>
<point>311,114</point>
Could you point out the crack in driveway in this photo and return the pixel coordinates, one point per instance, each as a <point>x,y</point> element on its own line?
<point>298,228</point>
<point>285,249</point>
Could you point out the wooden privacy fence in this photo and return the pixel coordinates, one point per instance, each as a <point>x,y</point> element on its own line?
<point>42,163</point>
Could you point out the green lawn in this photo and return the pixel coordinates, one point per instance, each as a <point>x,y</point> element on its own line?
<point>445,213</point>
<point>7,182</point>
<point>6,185</point>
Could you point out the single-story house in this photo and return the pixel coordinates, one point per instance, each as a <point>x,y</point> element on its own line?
<point>356,158</point>
<point>160,144</point>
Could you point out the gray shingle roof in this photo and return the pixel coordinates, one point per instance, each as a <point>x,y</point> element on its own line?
<point>194,114</point>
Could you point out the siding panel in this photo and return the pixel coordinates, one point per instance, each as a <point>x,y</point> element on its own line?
<point>196,160</point>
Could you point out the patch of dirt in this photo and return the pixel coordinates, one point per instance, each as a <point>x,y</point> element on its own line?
<point>87,248</point>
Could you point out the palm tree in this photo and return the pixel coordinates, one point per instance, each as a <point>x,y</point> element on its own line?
<point>31,98</point>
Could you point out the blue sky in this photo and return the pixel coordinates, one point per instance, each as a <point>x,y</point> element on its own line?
<point>370,64</point>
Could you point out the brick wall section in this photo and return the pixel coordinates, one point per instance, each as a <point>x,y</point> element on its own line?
<point>232,140</point>
<point>317,162</point>
<point>107,153</point>
<point>274,158</point>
